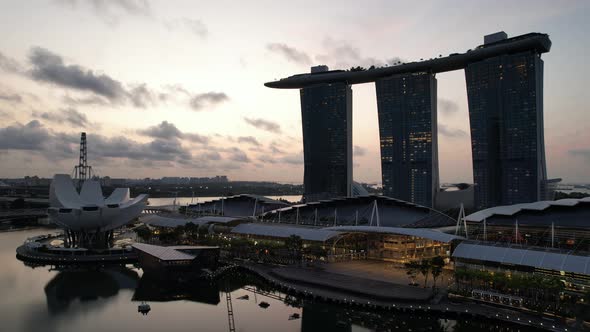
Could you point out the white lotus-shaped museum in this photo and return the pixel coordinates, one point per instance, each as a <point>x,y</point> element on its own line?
<point>88,211</point>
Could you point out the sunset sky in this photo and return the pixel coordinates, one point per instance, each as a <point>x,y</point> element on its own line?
<point>175,88</point>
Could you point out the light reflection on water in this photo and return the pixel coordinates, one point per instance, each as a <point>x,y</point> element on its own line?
<point>42,299</point>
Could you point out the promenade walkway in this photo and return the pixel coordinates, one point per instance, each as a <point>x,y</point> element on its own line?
<point>317,290</point>
<point>378,289</point>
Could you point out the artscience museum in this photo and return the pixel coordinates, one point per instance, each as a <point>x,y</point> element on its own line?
<point>88,218</point>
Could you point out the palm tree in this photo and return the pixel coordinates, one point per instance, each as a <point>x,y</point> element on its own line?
<point>436,268</point>
<point>413,268</point>
<point>424,269</point>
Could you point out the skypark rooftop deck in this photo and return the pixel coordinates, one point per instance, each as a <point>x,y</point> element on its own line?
<point>533,41</point>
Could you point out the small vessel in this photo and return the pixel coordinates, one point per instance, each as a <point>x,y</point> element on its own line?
<point>294,316</point>
<point>244,297</point>
<point>144,308</point>
<point>264,305</point>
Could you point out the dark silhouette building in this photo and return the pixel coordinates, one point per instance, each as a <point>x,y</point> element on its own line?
<point>505,95</point>
<point>326,113</point>
<point>406,107</point>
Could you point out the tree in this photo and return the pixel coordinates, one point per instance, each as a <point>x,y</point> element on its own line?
<point>424,269</point>
<point>437,263</point>
<point>144,233</point>
<point>294,243</point>
<point>316,251</point>
<point>191,229</point>
<point>413,268</point>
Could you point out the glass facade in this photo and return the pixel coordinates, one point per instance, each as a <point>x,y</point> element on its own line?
<point>326,114</point>
<point>406,107</point>
<point>505,96</point>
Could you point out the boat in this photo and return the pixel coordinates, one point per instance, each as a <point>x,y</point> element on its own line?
<point>264,305</point>
<point>244,297</point>
<point>294,316</point>
<point>144,308</point>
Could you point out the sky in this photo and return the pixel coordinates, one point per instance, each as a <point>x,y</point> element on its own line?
<point>175,88</point>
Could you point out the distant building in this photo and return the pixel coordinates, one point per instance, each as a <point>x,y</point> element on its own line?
<point>215,179</point>
<point>505,95</point>
<point>326,112</point>
<point>406,106</point>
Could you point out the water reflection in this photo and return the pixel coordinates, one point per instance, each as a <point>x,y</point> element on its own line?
<point>73,300</point>
<point>87,285</point>
<point>153,289</point>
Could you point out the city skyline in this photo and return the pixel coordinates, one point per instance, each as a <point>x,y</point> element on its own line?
<point>160,107</point>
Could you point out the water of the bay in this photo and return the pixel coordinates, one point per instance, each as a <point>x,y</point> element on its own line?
<point>47,300</point>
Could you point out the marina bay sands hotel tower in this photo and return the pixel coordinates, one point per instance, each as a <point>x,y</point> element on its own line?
<point>504,79</point>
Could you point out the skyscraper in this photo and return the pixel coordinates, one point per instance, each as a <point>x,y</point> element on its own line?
<point>505,95</point>
<point>326,113</point>
<point>406,106</point>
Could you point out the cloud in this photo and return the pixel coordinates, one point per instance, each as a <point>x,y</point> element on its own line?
<point>262,124</point>
<point>583,153</point>
<point>163,130</point>
<point>199,101</point>
<point>450,132</point>
<point>238,155</point>
<point>294,159</point>
<point>49,67</point>
<point>166,130</point>
<point>123,147</point>
<point>289,53</point>
<point>111,10</point>
<point>209,155</point>
<point>195,138</point>
<point>359,151</point>
<point>90,100</point>
<point>267,159</point>
<point>195,26</point>
<point>11,97</point>
<point>10,65</point>
<point>133,7</point>
<point>31,136</point>
<point>249,140</point>
<point>447,106</point>
<point>141,96</point>
<point>58,145</point>
<point>68,115</point>
<point>341,54</point>
<point>275,148</point>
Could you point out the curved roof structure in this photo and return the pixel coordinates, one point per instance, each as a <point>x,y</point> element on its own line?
<point>532,41</point>
<point>239,205</point>
<point>324,234</point>
<point>89,211</point>
<point>391,212</point>
<point>161,221</point>
<point>540,259</point>
<point>565,212</point>
<point>417,232</point>
<point>281,231</point>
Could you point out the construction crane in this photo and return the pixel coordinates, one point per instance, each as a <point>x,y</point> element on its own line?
<point>82,171</point>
